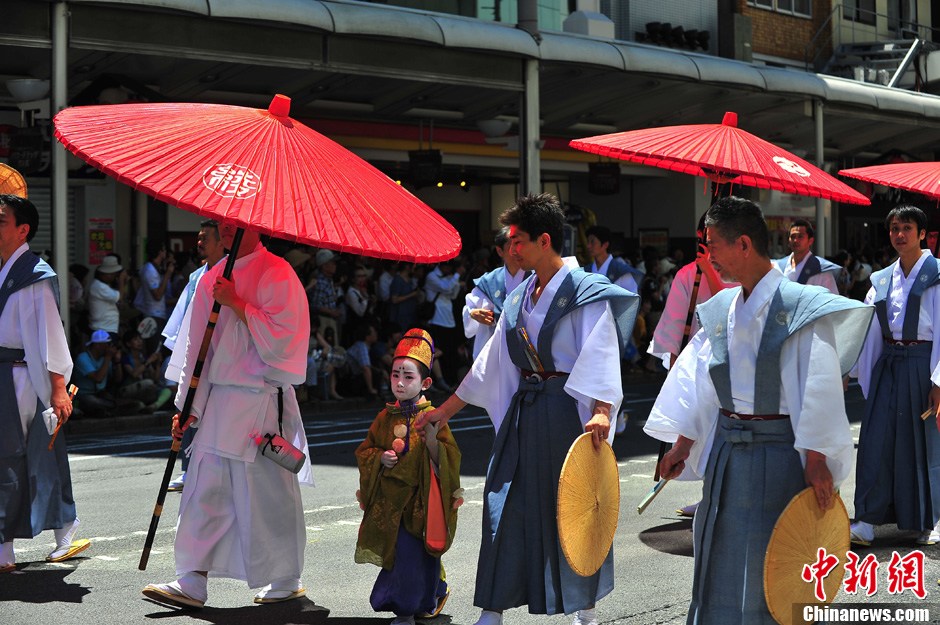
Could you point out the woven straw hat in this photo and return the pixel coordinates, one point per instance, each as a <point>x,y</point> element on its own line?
<point>11,181</point>
<point>588,504</point>
<point>799,533</point>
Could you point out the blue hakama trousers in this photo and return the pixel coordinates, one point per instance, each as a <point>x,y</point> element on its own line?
<point>898,472</point>
<point>521,561</point>
<point>413,586</point>
<point>35,483</point>
<point>753,472</point>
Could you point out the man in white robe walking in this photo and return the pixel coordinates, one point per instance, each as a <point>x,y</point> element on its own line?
<point>241,514</point>
<point>750,407</point>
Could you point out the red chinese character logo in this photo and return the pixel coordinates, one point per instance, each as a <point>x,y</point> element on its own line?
<point>861,574</point>
<point>818,571</point>
<point>907,573</point>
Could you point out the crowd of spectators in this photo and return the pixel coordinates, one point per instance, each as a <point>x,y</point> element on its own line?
<point>359,307</point>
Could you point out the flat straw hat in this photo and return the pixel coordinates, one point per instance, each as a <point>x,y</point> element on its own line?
<point>799,533</point>
<point>588,504</point>
<point>11,181</point>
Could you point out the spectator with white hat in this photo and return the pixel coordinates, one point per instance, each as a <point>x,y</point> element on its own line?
<point>104,294</point>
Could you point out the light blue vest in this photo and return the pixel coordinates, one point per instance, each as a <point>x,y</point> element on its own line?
<point>792,307</point>
<point>577,289</point>
<point>814,266</point>
<point>881,280</point>
<point>493,285</point>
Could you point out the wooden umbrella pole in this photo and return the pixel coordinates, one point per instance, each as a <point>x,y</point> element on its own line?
<point>188,405</point>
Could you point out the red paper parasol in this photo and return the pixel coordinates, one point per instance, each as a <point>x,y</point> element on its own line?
<point>260,169</point>
<point>263,171</point>
<point>917,177</point>
<point>723,153</point>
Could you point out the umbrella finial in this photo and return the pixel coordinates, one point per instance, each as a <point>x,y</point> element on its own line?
<point>280,106</point>
<point>730,119</point>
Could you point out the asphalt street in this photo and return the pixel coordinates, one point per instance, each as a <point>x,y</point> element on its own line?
<point>116,475</point>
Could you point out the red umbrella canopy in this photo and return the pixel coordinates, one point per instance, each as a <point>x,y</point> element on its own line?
<point>260,169</point>
<point>723,153</point>
<point>917,177</point>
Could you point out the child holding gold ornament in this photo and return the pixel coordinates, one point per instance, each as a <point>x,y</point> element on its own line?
<point>409,492</point>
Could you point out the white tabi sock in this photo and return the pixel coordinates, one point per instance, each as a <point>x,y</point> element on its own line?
<point>488,617</point>
<point>65,535</point>
<point>194,585</point>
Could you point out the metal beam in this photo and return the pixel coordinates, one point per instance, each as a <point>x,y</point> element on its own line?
<point>60,175</point>
<point>529,158</point>
<point>822,229</point>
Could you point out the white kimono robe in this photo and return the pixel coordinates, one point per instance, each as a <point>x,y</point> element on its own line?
<point>896,308</point>
<point>30,321</point>
<point>667,337</point>
<point>584,343</point>
<point>476,299</point>
<point>241,515</point>
<point>810,387</point>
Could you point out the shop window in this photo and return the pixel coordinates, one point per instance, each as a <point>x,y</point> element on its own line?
<point>801,8</point>
<point>861,11</point>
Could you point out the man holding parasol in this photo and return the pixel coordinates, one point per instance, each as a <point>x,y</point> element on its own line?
<point>241,513</point>
<point>538,380</point>
<point>750,407</point>
<point>35,364</point>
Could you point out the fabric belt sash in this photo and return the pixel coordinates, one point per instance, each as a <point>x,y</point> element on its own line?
<point>904,343</point>
<point>543,375</point>
<point>753,417</point>
<point>9,354</point>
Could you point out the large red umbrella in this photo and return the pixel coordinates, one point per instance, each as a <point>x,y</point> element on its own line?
<point>917,177</point>
<point>723,153</point>
<point>264,171</point>
<point>260,169</point>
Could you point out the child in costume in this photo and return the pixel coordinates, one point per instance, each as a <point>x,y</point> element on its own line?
<point>405,475</point>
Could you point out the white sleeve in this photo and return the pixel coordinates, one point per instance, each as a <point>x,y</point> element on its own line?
<point>595,374</point>
<point>871,350</point>
<point>826,280</point>
<point>812,386</point>
<point>688,405</point>
<point>493,379</point>
<point>474,299</point>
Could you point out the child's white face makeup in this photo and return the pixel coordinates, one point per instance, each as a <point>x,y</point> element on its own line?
<point>406,380</point>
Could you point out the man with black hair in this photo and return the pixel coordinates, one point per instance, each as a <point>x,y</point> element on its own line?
<point>897,479</point>
<point>750,408</point>
<point>802,265</point>
<point>211,250</point>
<point>550,373</point>
<point>617,270</point>
<point>484,304</point>
<point>36,490</point>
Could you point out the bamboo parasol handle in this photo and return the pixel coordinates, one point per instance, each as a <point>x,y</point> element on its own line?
<point>188,405</point>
